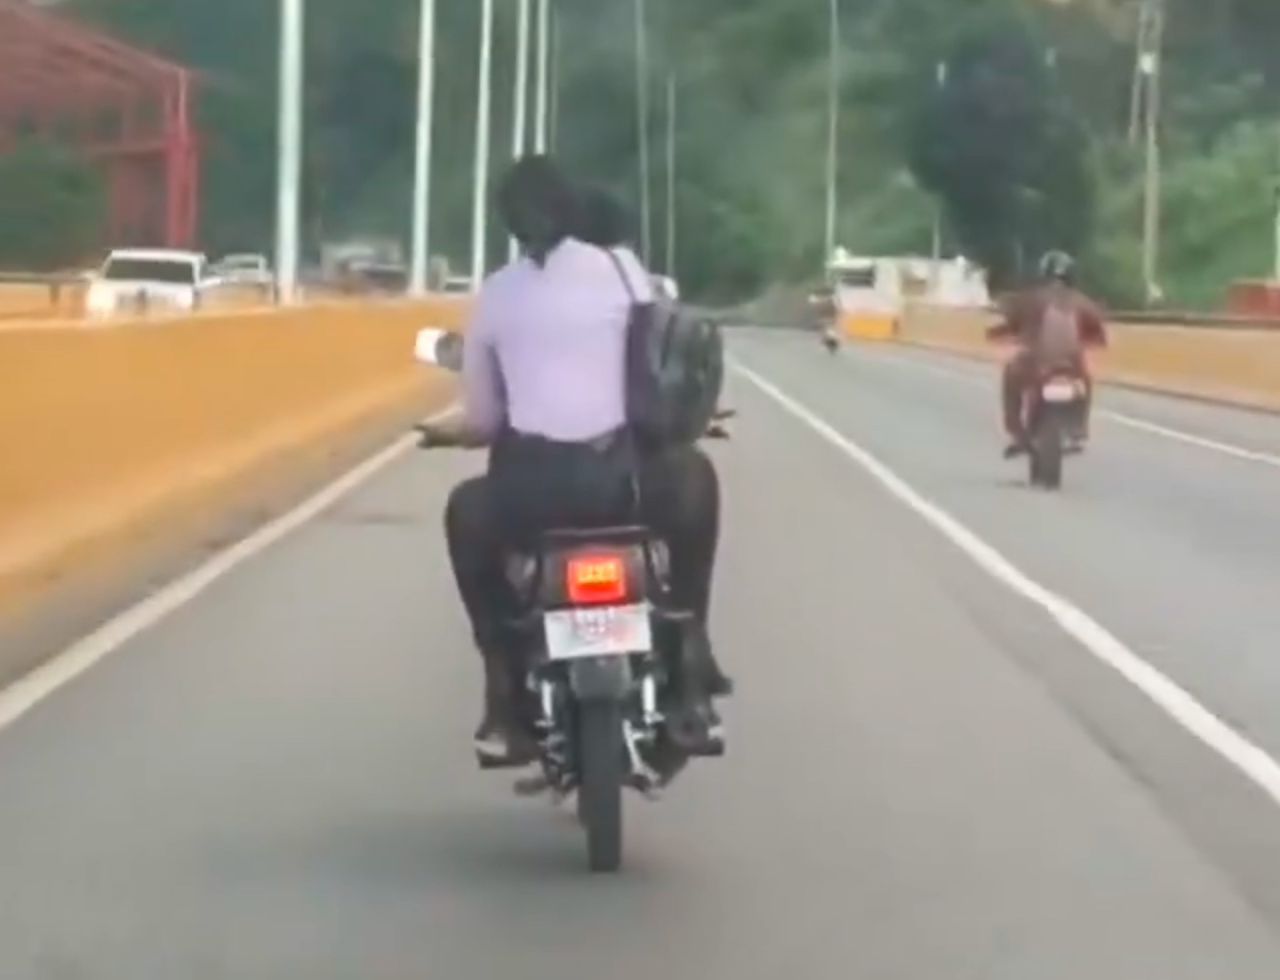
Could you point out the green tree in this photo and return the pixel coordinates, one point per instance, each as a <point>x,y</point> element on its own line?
<point>1002,148</point>
<point>51,207</point>
<point>1015,150</point>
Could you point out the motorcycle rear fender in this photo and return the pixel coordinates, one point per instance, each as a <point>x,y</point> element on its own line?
<point>600,678</point>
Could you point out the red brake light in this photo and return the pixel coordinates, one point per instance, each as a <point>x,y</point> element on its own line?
<point>596,579</point>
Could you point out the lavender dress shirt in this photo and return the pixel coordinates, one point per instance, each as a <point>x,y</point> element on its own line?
<point>546,346</point>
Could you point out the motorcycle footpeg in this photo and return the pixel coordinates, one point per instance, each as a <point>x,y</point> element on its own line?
<point>649,788</point>
<point>490,763</point>
<point>711,748</point>
<point>701,745</point>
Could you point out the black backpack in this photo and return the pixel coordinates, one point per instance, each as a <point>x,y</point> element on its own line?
<point>675,369</point>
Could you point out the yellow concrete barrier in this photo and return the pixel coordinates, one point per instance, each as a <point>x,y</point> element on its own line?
<point>1236,366</point>
<point>869,326</point>
<point>109,433</point>
<point>38,302</point>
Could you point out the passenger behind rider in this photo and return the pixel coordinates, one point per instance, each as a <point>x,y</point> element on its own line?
<point>1051,324</point>
<point>543,388</point>
<point>604,222</point>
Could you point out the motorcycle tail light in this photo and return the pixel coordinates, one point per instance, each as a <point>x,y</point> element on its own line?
<point>594,580</point>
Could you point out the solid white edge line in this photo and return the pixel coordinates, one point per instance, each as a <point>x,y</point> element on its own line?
<point>1120,418</point>
<point>1252,761</point>
<point>1200,442</point>
<point>27,691</point>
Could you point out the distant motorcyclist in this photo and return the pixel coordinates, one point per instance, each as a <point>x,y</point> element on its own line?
<point>543,387</point>
<point>1051,323</point>
<point>825,312</point>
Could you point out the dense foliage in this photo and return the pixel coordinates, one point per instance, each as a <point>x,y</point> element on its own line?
<point>1026,143</point>
<point>51,208</point>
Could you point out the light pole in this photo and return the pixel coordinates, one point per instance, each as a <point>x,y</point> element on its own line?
<point>289,161</point>
<point>544,81</point>
<point>833,132</point>
<point>421,247</point>
<point>1277,205</point>
<point>943,73</point>
<point>521,96</point>
<point>1149,64</point>
<point>671,175</point>
<point>642,124</point>
<point>553,82</point>
<point>480,188</point>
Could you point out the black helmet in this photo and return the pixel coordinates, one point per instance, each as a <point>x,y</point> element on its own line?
<point>1058,266</point>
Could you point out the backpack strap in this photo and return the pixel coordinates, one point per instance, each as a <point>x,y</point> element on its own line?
<point>622,274</point>
<point>641,384</point>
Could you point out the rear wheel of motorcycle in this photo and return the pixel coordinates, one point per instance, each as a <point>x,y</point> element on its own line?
<point>600,792</point>
<point>1046,452</point>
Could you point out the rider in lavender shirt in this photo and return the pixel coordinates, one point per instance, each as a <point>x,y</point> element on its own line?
<point>544,387</point>
<point>546,346</point>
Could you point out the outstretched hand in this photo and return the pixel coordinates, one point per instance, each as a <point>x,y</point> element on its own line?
<point>449,434</point>
<point>432,436</point>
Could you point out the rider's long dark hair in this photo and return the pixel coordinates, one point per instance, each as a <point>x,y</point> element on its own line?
<point>538,205</point>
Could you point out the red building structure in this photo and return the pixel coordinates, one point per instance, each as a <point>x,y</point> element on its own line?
<point>130,111</point>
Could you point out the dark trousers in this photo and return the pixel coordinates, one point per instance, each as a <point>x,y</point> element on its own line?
<point>534,486</point>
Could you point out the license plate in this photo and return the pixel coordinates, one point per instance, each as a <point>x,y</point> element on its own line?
<point>602,631</point>
<point>1060,392</point>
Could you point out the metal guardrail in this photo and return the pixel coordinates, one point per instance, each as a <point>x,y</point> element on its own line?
<point>54,283</point>
<point>1210,321</point>
<point>1185,318</point>
<point>42,278</point>
<point>1177,318</point>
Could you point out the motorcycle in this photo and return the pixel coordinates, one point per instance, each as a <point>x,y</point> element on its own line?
<point>599,648</point>
<point>1055,422</point>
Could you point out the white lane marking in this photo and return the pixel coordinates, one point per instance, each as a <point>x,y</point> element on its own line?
<point>1190,439</point>
<point>1120,418</point>
<point>1182,707</point>
<point>32,688</point>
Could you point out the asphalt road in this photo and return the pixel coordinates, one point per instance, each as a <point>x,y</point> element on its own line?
<point>928,776</point>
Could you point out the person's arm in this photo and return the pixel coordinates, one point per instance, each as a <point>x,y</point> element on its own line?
<point>483,397</point>
<point>477,420</point>
<point>1093,326</point>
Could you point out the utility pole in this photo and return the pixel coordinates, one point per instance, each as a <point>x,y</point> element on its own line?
<point>553,82</point>
<point>943,72</point>
<point>642,125</point>
<point>671,175</point>
<point>1137,95</point>
<point>833,134</point>
<point>420,253</point>
<point>1276,192</point>
<point>289,160</point>
<point>480,188</point>
<point>521,97</point>
<point>1151,69</point>
<point>541,106</point>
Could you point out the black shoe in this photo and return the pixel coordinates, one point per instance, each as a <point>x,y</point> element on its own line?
<point>702,661</point>
<point>499,740</point>
<point>719,684</point>
<point>697,729</point>
<point>1015,449</point>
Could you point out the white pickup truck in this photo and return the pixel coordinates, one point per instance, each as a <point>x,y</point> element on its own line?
<point>148,280</point>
